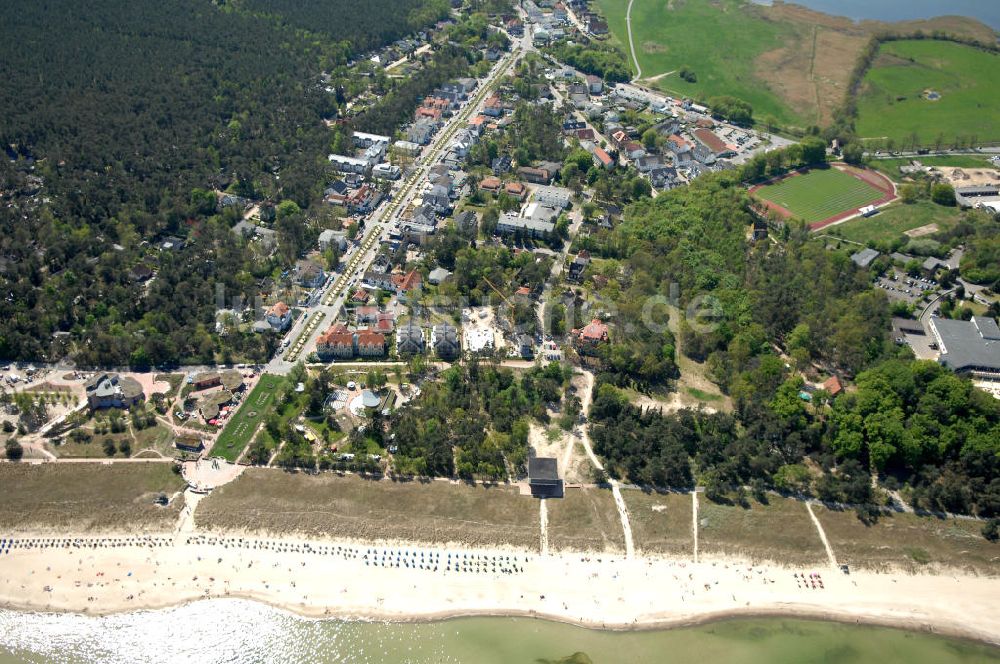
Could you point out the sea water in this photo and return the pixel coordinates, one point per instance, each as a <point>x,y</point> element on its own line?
<point>238,631</point>
<point>987,11</point>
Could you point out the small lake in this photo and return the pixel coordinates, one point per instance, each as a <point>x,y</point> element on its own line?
<point>987,11</point>
<point>238,631</point>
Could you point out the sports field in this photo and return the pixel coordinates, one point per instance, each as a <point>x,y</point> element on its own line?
<point>820,195</point>
<point>935,91</point>
<point>254,410</point>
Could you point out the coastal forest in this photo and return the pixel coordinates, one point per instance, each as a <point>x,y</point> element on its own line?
<point>774,312</point>
<point>120,123</point>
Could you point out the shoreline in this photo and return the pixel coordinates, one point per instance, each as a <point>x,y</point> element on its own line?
<point>593,591</point>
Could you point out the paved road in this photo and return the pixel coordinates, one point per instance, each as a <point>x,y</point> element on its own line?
<point>336,295</point>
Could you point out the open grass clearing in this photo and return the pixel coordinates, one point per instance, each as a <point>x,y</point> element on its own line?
<point>585,520</point>
<point>661,522</point>
<point>910,543</point>
<point>330,505</point>
<point>895,104</point>
<point>254,410</point>
<point>88,496</point>
<point>820,194</point>
<point>779,531</point>
<point>894,221</point>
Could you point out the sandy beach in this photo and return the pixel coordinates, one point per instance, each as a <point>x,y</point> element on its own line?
<point>335,578</point>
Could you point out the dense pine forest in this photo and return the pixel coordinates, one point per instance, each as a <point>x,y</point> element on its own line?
<point>116,119</point>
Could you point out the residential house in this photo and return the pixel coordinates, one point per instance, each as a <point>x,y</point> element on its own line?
<point>553,197</point>
<point>386,171</point>
<point>516,190</point>
<point>410,339</point>
<point>332,238</point>
<point>309,274</point>
<point>579,264</point>
<point>681,149</point>
<point>370,343</point>
<point>493,107</point>
<point>587,339</point>
<point>337,342</point>
<point>444,340</point>
<point>513,224</point>
<point>347,164</point>
<point>648,163</point>
<point>490,184</point>
<point>602,158</point>
<point>634,150</point>
<point>421,133</point>
<point>595,84</point>
<point>279,316</point>
<point>408,283</point>
<point>437,276</point>
<point>501,165</point>
<point>467,222</point>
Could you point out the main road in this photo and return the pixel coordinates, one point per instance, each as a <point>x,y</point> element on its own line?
<point>302,337</point>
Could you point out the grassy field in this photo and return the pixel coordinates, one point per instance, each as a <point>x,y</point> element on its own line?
<point>330,505</point>
<point>661,523</point>
<point>254,410</point>
<point>908,542</point>
<point>893,104</point>
<point>895,220</point>
<point>87,496</point>
<point>585,520</point>
<point>820,194</point>
<point>780,531</point>
<point>669,36</point>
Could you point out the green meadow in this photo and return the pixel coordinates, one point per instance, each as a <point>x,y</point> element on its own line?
<point>720,41</point>
<point>893,221</point>
<point>894,104</point>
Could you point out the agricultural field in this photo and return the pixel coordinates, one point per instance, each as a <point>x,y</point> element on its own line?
<point>892,222</point>
<point>331,505</point>
<point>933,91</point>
<point>252,412</point>
<point>585,520</point>
<point>819,194</point>
<point>88,496</point>
<point>661,523</point>
<point>779,531</point>
<point>908,542</point>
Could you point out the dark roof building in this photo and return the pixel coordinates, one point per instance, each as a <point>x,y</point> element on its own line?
<point>409,339</point>
<point>444,338</point>
<point>543,478</point>
<point>969,347</point>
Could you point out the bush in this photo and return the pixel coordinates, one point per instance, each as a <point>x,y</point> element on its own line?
<point>943,194</point>
<point>109,447</point>
<point>687,74</point>
<point>991,529</point>
<point>14,450</point>
<point>125,448</point>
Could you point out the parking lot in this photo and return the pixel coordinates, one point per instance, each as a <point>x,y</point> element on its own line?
<point>901,287</point>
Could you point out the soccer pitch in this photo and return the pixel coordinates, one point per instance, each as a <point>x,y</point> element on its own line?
<point>820,194</point>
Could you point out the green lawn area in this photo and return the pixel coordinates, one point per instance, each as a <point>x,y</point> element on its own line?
<point>892,103</point>
<point>820,194</point>
<point>671,35</point>
<point>893,221</point>
<point>585,520</point>
<point>780,531</point>
<point>254,410</point>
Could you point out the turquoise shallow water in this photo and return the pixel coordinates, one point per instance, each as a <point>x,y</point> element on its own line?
<point>239,631</point>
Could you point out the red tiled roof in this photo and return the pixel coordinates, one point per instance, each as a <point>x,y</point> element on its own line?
<point>278,309</point>
<point>595,331</point>
<point>490,183</point>
<point>406,282</point>
<point>515,188</point>
<point>336,335</point>
<point>832,385</point>
<point>369,338</point>
<point>523,290</point>
<point>603,156</point>
<point>710,140</point>
<point>361,295</point>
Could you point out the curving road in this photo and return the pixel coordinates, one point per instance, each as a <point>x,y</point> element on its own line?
<point>631,42</point>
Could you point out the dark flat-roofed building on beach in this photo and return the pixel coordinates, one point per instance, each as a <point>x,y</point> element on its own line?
<point>543,478</point>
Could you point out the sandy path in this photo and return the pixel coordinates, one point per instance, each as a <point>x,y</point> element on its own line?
<point>694,522</point>
<point>822,535</point>
<point>543,523</point>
